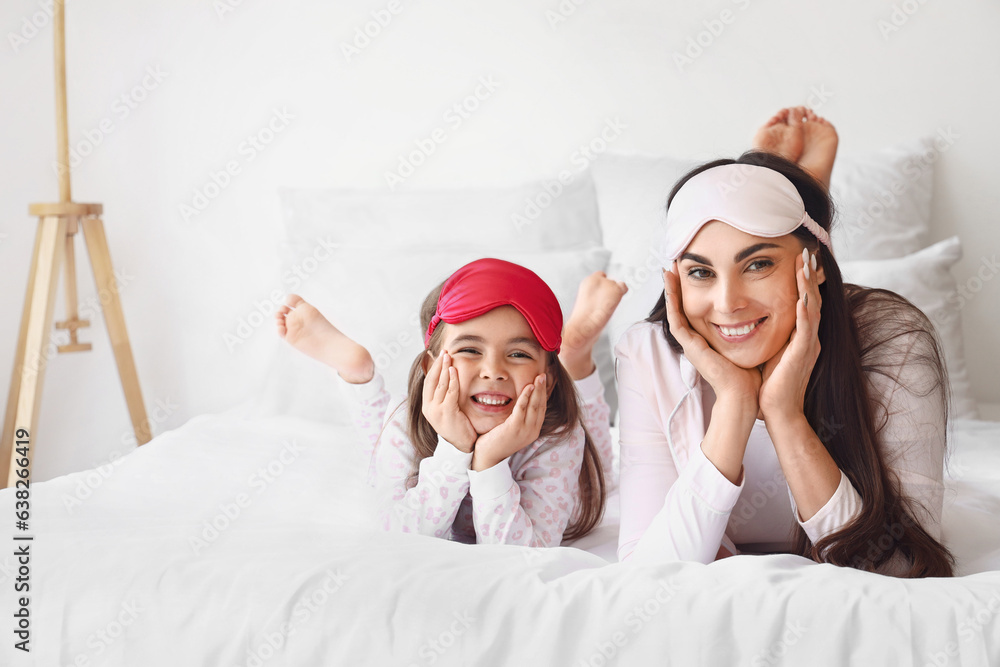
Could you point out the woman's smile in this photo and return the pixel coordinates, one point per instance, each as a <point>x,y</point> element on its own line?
<point>739,332</point>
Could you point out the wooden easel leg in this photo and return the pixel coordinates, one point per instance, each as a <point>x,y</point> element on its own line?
<point>30,359</point>
<point>100,262</point>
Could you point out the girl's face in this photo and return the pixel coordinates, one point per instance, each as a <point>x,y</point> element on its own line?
<point>730,279</point>
<point>496,356</point>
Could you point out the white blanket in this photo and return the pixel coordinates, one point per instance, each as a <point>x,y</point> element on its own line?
<point>230,542</point>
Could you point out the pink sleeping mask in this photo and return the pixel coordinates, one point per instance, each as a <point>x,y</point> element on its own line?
<point>753,199</point>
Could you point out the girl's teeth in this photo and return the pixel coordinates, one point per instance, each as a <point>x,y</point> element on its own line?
<point>491,401</point>
<point>740,331</point>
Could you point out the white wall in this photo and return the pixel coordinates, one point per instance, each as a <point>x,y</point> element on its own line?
<point>225,72</point>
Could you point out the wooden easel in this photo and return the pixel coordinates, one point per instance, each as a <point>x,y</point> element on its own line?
<point>57,225</point>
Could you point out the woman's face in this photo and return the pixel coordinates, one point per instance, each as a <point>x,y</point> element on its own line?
<point>731,280</point>
<point>496,356</point>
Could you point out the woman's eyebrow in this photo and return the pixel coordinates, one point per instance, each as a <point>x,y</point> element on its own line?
<point>739,257</point>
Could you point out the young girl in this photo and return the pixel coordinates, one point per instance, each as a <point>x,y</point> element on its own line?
<point>766,406</point>
<point>490,446</point>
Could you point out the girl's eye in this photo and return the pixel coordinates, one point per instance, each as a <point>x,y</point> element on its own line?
<point>469,349</point>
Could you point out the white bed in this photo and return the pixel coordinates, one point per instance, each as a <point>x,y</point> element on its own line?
<point>242,539</point>
<point>186,553</point>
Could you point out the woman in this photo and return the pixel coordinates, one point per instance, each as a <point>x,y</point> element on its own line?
<point>760,376</point>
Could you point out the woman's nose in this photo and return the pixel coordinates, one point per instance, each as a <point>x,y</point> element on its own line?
<point>730,297</point>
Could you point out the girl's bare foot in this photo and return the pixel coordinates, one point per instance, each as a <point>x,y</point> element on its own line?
<point>309,332</point>
<point>819,147</point>
<point>782,134</point>
<point>596,301</point>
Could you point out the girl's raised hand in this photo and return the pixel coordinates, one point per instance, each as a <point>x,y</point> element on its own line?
<point>783,391</point>
<point>726,378</point>
<point>516,432</point>
<point>440,404</point>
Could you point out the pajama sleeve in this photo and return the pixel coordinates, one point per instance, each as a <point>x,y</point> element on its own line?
<point>665,515</point>
<point>597,418</point>
<point>533,508</point>
<point>367,404</point>
<point>427,505</point>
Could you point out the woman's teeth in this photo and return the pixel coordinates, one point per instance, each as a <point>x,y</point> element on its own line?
<point>491,401</point>
<point>739,331</point>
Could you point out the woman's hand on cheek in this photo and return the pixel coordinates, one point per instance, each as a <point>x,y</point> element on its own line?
<point>786,377</point>
<point>516,432</point>
<point>440,404</point>
<point>726,378</point>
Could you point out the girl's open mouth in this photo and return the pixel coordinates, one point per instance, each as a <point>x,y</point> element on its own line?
<point>491,403</point>
<point>741,333</point>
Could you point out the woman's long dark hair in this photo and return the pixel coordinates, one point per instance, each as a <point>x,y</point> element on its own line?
<point>858,326</point>
<point>562,414</point>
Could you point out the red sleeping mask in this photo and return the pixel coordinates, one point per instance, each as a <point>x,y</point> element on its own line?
<point>482,285</point>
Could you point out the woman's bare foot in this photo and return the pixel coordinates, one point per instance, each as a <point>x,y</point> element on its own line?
<point>596,300</point>
<point>782,134</point>
<point>309,332</point>
<point>819,147</point>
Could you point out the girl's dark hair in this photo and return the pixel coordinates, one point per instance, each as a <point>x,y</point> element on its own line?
<point>562,414</point>
<point>861,332</point>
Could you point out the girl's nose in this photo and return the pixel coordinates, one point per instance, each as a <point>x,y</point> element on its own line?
<point>492,368</point>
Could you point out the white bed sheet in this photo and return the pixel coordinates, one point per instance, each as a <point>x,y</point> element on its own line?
<point>127,569</point>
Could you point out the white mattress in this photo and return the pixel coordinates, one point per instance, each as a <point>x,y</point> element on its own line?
<point>127,569</point>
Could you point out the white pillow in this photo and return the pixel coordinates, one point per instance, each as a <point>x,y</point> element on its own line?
<point>883,201</point>
<point>368,260</point>
<point>925,278</point>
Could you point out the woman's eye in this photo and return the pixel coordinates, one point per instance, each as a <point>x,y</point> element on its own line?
<point>763,263</point>
<point>692,273</point>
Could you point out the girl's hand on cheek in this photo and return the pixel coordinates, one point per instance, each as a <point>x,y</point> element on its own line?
<point>726,378</point>
<point>440,404</point>
<point>518,431</point>
<point>783,391</point>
